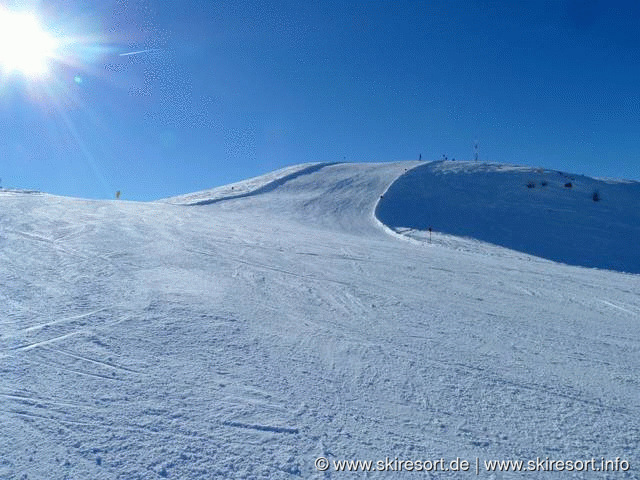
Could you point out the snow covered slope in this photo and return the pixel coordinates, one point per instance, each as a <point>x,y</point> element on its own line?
<point>545,213</point>
<point>244,334</point>
<point>245,188</point>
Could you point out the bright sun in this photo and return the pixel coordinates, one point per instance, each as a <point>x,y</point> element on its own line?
<point>25,47</point>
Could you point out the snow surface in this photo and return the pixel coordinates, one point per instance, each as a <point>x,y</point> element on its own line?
<point>242,333</point>
<point>522,208</point>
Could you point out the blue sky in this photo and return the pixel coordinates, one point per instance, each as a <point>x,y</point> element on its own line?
<point>232,89</point>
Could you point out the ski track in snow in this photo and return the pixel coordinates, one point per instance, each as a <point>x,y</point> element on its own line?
<point>243,332</point>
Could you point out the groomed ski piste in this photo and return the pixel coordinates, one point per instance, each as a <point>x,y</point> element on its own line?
<point>249,330</point>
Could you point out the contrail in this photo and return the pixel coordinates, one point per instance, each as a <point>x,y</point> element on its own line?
<point>137,52</point>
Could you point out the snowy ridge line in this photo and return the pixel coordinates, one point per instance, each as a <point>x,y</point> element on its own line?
<point>386,228</point>
<point>11,191</point>
<point>225,193</point>
<point>267,187</point>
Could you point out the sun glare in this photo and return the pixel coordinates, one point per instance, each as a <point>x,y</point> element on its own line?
<point>25,47</point>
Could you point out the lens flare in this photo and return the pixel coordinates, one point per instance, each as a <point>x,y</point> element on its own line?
<point>25,47</point>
